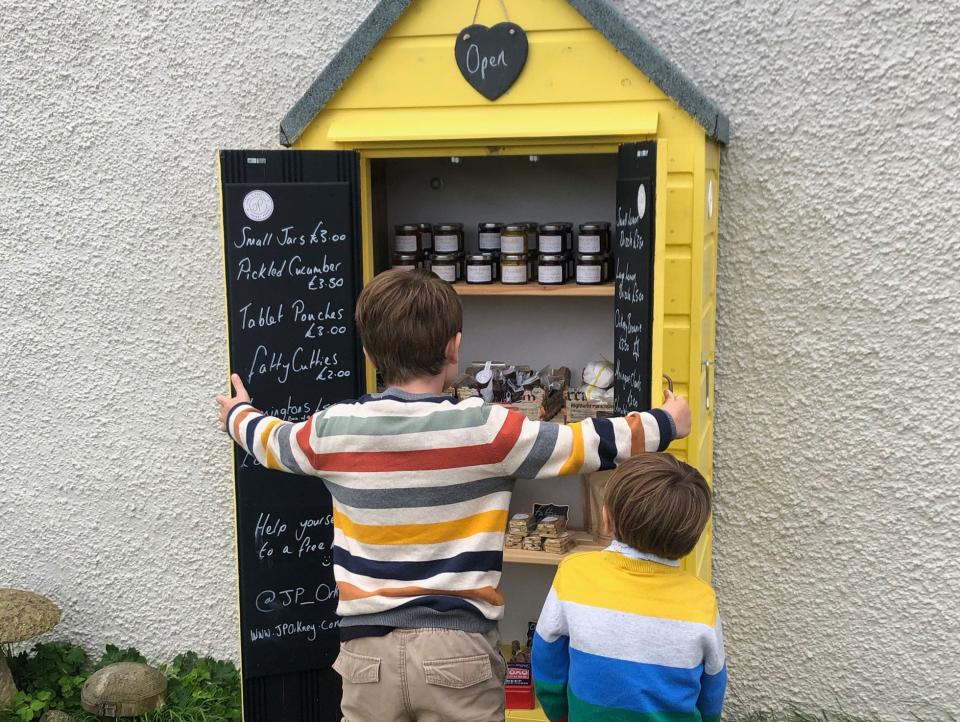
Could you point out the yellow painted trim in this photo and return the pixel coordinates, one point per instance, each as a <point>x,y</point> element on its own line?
<point>659,269</point>
<point>366,239</point>
<point>233,458</point>
<point>417,150</point>
<point>556,122</point>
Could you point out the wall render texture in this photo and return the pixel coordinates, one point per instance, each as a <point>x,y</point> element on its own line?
<point>838,438</point>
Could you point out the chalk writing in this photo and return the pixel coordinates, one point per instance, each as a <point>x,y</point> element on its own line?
<point>633,275</point>
<point>292,281</point>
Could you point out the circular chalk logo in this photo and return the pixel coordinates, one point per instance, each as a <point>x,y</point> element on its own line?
<point>258,205</point>
<point>641,202</point>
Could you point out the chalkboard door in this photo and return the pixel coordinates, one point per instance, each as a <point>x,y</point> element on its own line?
<point>292,251</point>
<point>633,248</point>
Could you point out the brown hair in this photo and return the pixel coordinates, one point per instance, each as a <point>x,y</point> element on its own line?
<point>658,504</point>
<point>406,319</point>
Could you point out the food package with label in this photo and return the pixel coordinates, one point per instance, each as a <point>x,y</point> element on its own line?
<point>594,397</point>
<point>532,544</point>
<point>538,395</point>
<point>521,524</point>
<point>552,526</point>
<point>513,541</point>
<point>560,544</point>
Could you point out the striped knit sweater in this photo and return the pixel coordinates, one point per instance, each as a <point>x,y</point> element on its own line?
<point>628,637</point>
<point>421,489</point>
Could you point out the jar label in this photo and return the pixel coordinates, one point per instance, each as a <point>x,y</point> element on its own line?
<point>403,268</point>
<point>406,244</point>
<point>447,244</point>
<point>550,274</point>
<point>447,273</point>
<point>514,274</point>
<point>489,241</point>
<point>588,274</point>
<point>427,240</point>
<point>588,244</point>
<point>551,244</point>
<point>513,244</point>
<point>479,274</point>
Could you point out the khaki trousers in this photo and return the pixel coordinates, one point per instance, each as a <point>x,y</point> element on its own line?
<point>422,675</point>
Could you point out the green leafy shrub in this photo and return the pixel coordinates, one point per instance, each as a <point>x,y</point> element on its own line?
<point>49,678</point>
<point>51,675</point>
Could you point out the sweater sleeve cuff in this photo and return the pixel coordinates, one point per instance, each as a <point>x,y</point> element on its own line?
<point>229,422</point>
<point>666,426</point>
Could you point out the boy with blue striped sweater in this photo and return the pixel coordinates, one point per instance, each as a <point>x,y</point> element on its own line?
<point>625,635</point>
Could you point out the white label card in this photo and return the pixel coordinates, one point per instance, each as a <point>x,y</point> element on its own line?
<point>479,274</point>
<point>514,274</point>
<point>406,244</point>
<point>588,244</point>
<point>588,274</point>
<point>447,244</point>
<point>551,244</point>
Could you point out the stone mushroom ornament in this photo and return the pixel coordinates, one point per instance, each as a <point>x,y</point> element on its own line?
<point>23,615</point>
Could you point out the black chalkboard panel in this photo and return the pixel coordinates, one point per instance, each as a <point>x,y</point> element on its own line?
<point>293,271</point>
<point>633,247</point>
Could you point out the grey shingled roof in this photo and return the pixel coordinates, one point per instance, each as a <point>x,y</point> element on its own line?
<point>620,31</point>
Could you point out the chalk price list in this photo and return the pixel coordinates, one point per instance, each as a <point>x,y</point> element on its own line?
<point>630,311</point>
<point>304,261</point>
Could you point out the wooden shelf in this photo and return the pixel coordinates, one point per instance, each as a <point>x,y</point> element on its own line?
<point>584,543</point>
<point>533,289</point>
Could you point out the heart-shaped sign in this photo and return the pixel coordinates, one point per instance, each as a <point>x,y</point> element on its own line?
<point>491,58</point>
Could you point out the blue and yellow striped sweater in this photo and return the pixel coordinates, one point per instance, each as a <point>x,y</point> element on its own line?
<point>628,639</point>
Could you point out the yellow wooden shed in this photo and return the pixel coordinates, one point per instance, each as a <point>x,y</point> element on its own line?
<point>592,82</point>
<point>594,125</point>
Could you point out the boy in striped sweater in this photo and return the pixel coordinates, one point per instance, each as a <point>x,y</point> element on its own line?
<point>421,487</point>
<point>625,635</point>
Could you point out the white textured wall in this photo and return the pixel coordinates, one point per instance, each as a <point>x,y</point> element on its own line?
<point>837,433</point>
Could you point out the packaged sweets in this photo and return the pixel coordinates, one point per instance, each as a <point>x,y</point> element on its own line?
<point>552,526</point>
<point>532,543</point>
<point>560,544</point>
<point>521,524</point>
<point>513,541</point>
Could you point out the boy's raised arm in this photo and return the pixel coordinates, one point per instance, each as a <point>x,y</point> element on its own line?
<point>275,443</point>
<point>546,450</point>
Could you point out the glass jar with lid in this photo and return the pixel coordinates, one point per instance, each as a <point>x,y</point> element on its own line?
<point>448,238</point>
<point>479,268</point>
<point>552,269</point>
<point>514,238</point>
<point>407,238</point>
<point>447,266</point>
<point>555,237</point>
<point>488,236</point>
<point>594,237</point>
<point>591,269</point>
<point>405,261</point>
<point>426,236</point>
<point>514,268</point>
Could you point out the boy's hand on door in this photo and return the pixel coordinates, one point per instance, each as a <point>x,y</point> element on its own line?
<point>225,404</point>
<point>679,409</point>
